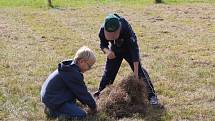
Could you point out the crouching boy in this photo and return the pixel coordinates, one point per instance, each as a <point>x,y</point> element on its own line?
<point>66,85</point>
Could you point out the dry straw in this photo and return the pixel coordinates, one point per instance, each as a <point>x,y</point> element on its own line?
<point>124,99</point>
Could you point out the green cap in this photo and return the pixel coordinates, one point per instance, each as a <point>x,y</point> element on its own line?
<point>111,23</point>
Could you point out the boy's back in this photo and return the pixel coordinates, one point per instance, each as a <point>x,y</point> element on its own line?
<point>65,84</point>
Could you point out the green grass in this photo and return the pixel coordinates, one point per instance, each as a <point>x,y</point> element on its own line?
<point>14,3</point>
<point>188,1</point>
<point>82,3</point>
<point>177,48</point>
<point>71,3</point>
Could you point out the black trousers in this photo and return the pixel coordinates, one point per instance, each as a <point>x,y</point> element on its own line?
<point>112,68</point>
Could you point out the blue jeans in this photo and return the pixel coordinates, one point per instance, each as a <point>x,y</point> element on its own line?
<point>69,110</point>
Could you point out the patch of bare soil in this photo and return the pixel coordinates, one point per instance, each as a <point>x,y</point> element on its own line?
<point>124,99</point>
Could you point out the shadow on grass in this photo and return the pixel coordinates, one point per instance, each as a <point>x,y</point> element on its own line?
<point>152,113</point>
<point>155,113</point>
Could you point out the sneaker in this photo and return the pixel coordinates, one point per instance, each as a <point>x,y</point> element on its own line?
<point>49,116</point>
<point>153,100</point>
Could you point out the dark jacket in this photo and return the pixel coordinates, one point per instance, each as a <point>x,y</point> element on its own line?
<point>126,43</point>
<point>66,84</point>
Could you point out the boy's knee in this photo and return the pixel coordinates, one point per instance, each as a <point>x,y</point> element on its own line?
<point>82,114</point>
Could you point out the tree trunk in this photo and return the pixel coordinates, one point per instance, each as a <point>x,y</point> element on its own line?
<point>158,1</point>
<point>50,3</point>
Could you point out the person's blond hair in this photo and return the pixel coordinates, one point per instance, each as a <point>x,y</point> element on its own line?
<point>86,54</point>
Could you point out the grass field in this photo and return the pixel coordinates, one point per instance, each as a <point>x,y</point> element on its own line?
<point>176,39</point>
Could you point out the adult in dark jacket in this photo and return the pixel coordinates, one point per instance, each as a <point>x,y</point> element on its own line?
<point>118,41</point>
<point>66,85</point>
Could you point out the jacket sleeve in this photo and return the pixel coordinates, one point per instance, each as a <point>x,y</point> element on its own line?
<point>79,89</point>
<point>103,42</point>
<point>132,40</point>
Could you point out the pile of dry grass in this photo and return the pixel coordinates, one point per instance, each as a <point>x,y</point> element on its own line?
<point>124,99</point>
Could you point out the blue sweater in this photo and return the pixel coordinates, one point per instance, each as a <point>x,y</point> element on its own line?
<point>126,43</point>
<point>66,84</point>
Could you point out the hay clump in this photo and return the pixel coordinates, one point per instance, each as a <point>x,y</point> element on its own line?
<point>124,99</point>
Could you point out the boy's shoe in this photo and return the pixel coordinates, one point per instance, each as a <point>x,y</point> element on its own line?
<point>153,100</point>
<point>48,114</point>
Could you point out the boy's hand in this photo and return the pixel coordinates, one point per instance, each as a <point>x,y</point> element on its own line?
<point>136,77</point>
<point>96,94</point>
<point>136,70</point>
<point>110,55</point>
<point>92,111</point>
